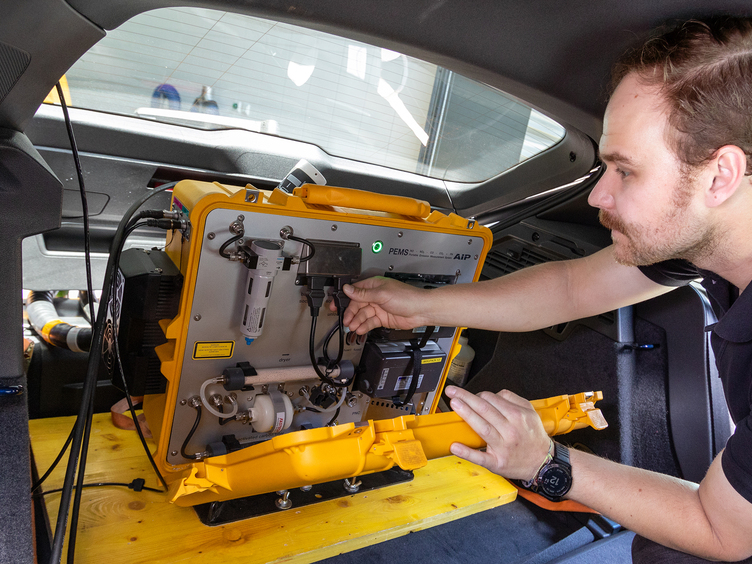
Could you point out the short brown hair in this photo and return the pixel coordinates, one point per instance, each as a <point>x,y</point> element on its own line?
<point>705,71</point>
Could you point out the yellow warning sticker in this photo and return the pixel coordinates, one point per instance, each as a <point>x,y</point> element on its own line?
<point>213,349</point>
<point>431,360</point>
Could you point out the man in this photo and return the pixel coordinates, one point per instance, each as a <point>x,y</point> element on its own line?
<point>677,141</point>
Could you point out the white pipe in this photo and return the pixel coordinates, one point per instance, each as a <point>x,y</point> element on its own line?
<point>209,408</point>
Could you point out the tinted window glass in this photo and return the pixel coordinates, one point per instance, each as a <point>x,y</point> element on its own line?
<point>212,70</point>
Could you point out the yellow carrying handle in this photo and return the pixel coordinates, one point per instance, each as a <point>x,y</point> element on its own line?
<point>330,453</point>
<point>559,414</point>
<point>362,200</point>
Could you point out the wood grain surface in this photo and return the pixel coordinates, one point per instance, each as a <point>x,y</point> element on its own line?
<point>117,524</point>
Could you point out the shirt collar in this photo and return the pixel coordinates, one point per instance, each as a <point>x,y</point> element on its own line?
<point>736,324</point>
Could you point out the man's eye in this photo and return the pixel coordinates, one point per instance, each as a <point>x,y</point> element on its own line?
<point>623,173</point>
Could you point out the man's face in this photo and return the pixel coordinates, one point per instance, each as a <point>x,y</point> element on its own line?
<point>646,196</point>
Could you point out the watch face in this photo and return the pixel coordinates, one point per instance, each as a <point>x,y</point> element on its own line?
<point>556,480</point>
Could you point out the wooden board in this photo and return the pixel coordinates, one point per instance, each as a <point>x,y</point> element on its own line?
<point>119,525</point>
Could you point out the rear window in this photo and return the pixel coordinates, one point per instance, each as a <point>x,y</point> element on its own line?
<point>212,70</point>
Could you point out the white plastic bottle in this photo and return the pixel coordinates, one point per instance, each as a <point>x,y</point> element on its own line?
<point>459,370</point>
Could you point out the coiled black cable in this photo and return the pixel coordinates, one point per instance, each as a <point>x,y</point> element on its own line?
<point>229,242</point>
<point>314,361</point>
<point>311,249</point>
<point>338,327</point>
<point>190,436</point>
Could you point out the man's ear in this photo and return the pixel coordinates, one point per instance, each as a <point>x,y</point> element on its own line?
<point>727,169</point>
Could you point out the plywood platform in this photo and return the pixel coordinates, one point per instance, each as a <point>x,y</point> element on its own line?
<point>119,525</point>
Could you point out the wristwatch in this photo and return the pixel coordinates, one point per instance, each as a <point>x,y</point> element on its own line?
<point>554,478</point>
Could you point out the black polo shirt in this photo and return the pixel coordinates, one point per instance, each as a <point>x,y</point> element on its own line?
<point>731,339</point>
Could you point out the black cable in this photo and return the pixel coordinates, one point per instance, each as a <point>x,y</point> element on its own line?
<point>190,436</point>
<point>336,414</point>
<point>130,404</point>
<point>102,484</point>
<point>84,202</point>
<point>86,300</point>
<point>223,420</point>
<point>132,226</point>
<point>80,481</point>
<point>340,326</point>
<point>227,243</point>
<point>52,467</point>
<point>314,360</point>
<point>91,378</point>
<point>312,250</point>
<point>417,357</point>
<point>87,405</point>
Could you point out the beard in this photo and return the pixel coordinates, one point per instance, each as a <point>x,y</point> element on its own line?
<point>678,233</point>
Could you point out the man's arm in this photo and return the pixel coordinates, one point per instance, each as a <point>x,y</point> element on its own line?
<point>712,521</point>
<point>532,298</point>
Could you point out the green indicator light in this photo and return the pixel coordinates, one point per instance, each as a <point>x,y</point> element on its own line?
<point>377,246</point>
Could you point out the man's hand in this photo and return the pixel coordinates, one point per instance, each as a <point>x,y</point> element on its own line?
<point>383,302</point>
<point>516,442</point>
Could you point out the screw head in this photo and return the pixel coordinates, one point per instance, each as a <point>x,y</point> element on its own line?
<point>241,218</point>
<point>334,227</point>
<point>174,453</point>
<point>391,267</point>
<point>399,234</point>
<point>197,317</point>
<point>211,235</point>
<point>183,402</point>
<point>469,241</point>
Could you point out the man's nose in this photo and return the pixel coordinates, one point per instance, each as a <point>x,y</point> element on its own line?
<point>601,196</point>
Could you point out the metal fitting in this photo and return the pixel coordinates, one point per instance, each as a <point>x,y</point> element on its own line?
<point>352,485</point>
<point>237,228</point>
<point>284,501</point>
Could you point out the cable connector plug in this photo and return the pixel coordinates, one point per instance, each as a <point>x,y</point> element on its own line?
<point>341,300</point>
<point>137,485</point>
<point>155,214</point>
<point>315,294</point>
<point>169,224</point>
<point>170,214</point>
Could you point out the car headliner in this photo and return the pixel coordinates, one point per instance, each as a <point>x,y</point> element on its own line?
<point>554,55</point>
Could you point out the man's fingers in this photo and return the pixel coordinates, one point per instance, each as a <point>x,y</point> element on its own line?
<point>486,424</point>
<point>470,454</point>
<point>511,397</point>
<point>364,290</point>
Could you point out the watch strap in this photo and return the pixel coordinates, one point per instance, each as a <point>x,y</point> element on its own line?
<point>561,454</point>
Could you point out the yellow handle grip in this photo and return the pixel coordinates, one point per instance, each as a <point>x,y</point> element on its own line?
<point>559,414</point>
<point>362,200</point>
